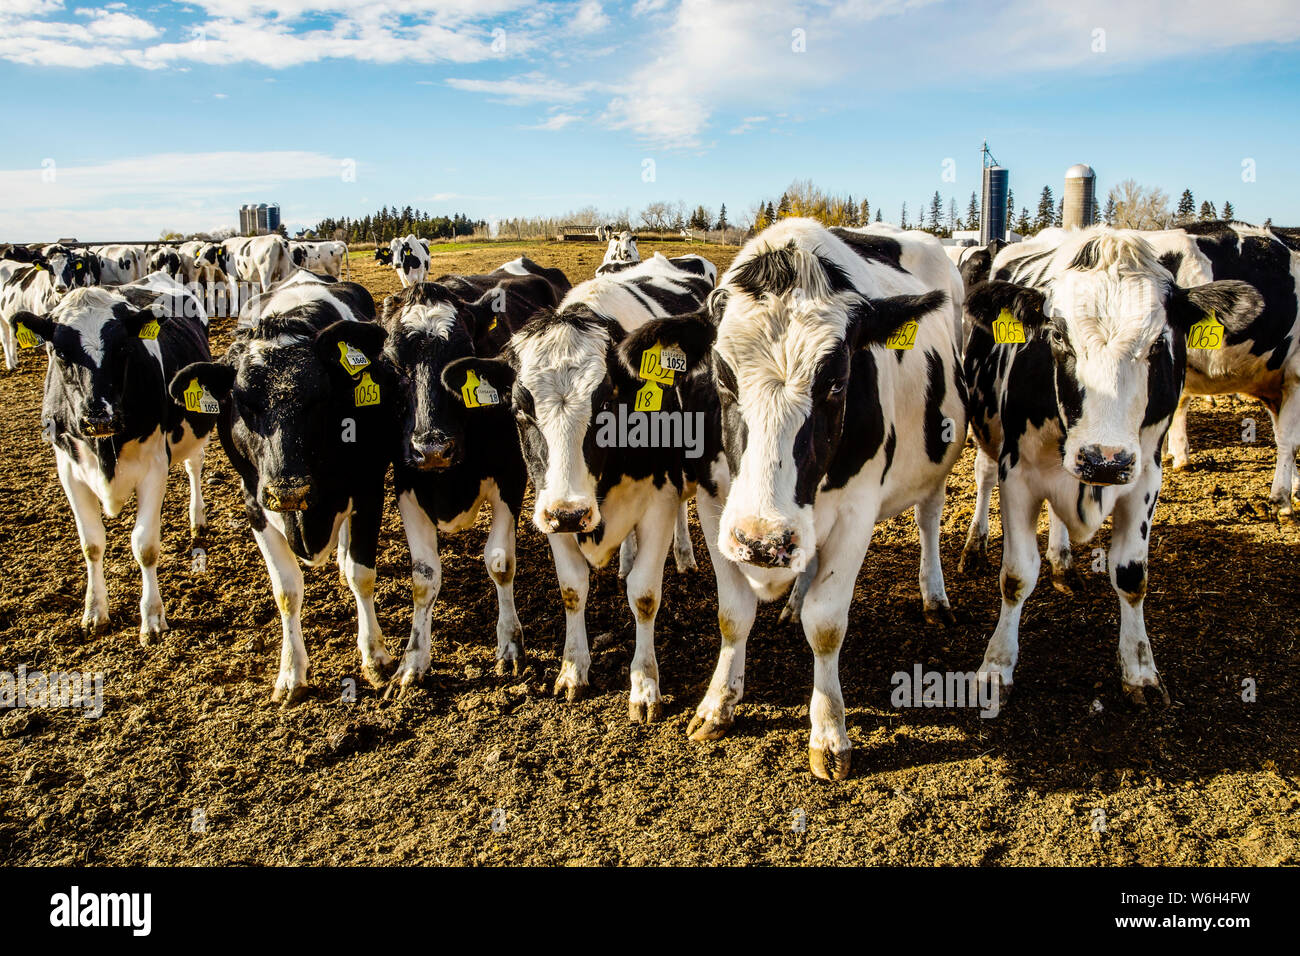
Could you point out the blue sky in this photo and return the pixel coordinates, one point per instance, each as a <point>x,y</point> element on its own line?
<point>124,119</point>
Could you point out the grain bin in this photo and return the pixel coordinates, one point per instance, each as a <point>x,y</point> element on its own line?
<point>993,208</point>
<point>1080,200</point>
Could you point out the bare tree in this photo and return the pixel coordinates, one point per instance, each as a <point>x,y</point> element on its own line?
<point>657,215</point>
<point>1137,207</point>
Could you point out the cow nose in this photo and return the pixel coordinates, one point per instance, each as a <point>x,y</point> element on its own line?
<point>433,454</point>
<point>771,550</point>
<point>1105,464</point>
<point>569,519</point>
<point>285,496</point>
<point>99,425</point>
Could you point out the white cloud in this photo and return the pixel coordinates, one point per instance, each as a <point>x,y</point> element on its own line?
<point>526,88</point>
<point>556,122</point>
<point>590,17</point>
<point>748,123</point>
<point>642,7</point>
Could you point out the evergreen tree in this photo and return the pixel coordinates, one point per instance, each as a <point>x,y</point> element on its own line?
<point>864,215</point>
<point>1109,215</point>
<point>850,212</point>
<point>783,209</point>
<point>973,212</point>
<point>902,217</point>
<point>1207,211</point>
<point>1060,212</point>
<point>1186,207</point>
<point>1046,210</point>
<point>771,213</point>
<point>878,217</point>
<point>1023,225</point>
<point>1011,208</point>
<point>722,217</point>
<point>1228,212</point>
<point>936,212</point>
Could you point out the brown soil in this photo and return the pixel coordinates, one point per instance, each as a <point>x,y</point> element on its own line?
<point>476,768</point>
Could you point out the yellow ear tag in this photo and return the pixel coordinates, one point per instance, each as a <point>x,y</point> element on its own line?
<point>199,399</point>
<point>1206,334</point>
<point>79,265</point>
<point>478,392</point>
<point>366,393</point>
<point>660,363</point>
<point>27,339</point>
<point>493,324</point>
<point>649,398</point>
<point>352,359</point>
<point>1007,329</point>
<point>903,337</point>
<point>149,330</point>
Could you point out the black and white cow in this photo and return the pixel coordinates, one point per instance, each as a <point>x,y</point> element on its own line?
<point>1261,359</point>
<point>23,288</point>
<point>1076,414</point>
<point>446,467</point>
<point>569,376</point>
<point>307,417</point>
<point>259,260</point>
<point>325,258</point>
<point>111,355</point>
<point>384,255</point>
<point>118,264</point>
<point>620,254</point>
<point>23,254</point>
<point>827,431</point>
<point>70,268</point>
<point>173,261</point>
<point>410,257</point>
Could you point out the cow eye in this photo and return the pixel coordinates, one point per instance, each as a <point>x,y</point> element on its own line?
<point>837,389</point>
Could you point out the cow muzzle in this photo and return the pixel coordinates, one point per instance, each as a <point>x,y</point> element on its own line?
<point>1105,465</point>
<point>570,518</point>
<point>436,454</point>
<point>771,549</point>
<point>99,426</point>
<point>285,496</point>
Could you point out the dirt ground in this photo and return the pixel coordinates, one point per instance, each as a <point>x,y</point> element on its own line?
<point>191,763</point>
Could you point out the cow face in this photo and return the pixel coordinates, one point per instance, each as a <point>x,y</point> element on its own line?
<point>429,328</point>
<point>290,398</point>
<point>783,367</point>
<point>71,270</point>
<point>95,347</point>
<point>214,256</point>
<point>1113,326</point>
<point>384,256</point>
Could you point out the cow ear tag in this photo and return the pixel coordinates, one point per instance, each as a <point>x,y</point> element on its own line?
<point>1206,334</point>
<point>477,392</point>
<point>149,330</point>
<point>352,358</point>
<point>199,399</point>
<point>903,337</point>
<point>649,398</point>
<point>493,324</point>
<point>366,392</point>
<point>27,339</point>
<point>660,363</point>
<point>1007,329</point>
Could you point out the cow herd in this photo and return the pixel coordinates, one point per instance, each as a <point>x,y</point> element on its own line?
<point>825,383</point>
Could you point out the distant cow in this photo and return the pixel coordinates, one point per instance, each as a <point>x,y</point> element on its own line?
<point>23,254</point>
<point>115,434</point>
<point>838,374</point>
<point>570,376</point>
<point>446,467</point>
<point>1261,359</point>
<point>325,258</point>
<point>69,268</point>
<point>171,260</point>
<point>118,265</point>
<point>410,257</point>
<point>1075,368</point>
<point>23,288</point>
<point>384,255</point>
<point>259,260</point>
<point>620,253</point>
<point>308,413</point>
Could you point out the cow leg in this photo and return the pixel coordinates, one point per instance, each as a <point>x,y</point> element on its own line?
<point>499,556</point>
<point>1130,532</point>
<point>1060,557</point>
<point>974,554</point>
<point>10,343</point>
<point>1020,564</point>
<point>198,509</point>
<point>825,619</point>
<point>1178,449</point>
<point>798,591</point>
<point>286,581</point>
<point>934,597</point>
<point>574,576</point>
<point>626,555</point>
<point>359,568</point>
<point>683,550</point>
<point>1286,432</point>
<point>426,581</point>
<point>145,545</point>
<point>736,608</point>
<point>88,514</point>
<point>644,592</point>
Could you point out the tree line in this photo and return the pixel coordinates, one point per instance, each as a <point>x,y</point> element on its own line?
<point>394,223</point>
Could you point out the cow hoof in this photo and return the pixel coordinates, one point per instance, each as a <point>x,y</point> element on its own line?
<point>1067,580</point>
<point>993,686</point>
<point>572,691</point>
<point>151,636</point>
<point>702,729</point>
<point>289,697</point>
<point>374,674</point>
<point>1138,694</point>
<point>789,615</point>
<point>685,562</point>
<point>510,668</point>
<point>939,614</point>
<point>91,627</point>
<point>640,712</point>
<point>974,560</point>
<point>829,764</point>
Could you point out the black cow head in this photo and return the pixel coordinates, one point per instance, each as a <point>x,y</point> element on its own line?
<point>384,256</point>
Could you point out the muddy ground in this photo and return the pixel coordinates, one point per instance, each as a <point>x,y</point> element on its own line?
<point>191,763</point>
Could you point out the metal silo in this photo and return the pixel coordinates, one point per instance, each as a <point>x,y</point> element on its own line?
<point>993,209</point>
<point>1080,208</point>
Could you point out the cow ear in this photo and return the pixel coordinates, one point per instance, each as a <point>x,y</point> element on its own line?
<point>37,325</point>
<point>716,304</point>
<point>988,300</point>
<point>135,320</point>
<point>1235,304</point>
<point>691,336</point>
<point>196,385</point>
<point>875,320</point>
<point>334,342</point>
<point>479,382</point>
